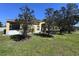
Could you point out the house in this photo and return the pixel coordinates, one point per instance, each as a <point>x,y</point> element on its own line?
<point>14,28</point>
<point>38,27</point>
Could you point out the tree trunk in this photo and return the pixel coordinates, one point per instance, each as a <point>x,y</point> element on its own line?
<point>25,29</point>
<point>61,31</point>
<point>49,29</point>
<point>69,29</point>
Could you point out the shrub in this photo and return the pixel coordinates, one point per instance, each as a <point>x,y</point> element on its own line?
<point>17,37</point>
<point>44,35</point>
<point>4,31</point>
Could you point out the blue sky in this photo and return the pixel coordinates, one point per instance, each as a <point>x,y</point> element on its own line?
<point>11,10</point>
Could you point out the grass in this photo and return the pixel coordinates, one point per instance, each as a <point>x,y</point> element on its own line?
<point>59,45</point>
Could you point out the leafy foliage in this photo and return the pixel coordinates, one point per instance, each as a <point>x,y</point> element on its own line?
<point>26,18</point>
<point>64,18</point>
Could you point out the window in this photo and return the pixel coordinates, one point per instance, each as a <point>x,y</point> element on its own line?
<point>14,27</point>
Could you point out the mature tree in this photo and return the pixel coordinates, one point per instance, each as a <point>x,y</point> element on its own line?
<point>49,18</point>
<point>62,19</point>
<point>25,17</point>
<point>58,19</point>
<point>67,17</point>
<point>72,11</point>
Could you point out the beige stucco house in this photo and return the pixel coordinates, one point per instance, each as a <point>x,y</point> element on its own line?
<point>13,28</point>
<point>37,28</point>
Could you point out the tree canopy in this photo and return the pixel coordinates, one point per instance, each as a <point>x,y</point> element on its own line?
<point>64,18</point>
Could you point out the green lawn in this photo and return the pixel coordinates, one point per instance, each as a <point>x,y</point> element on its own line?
<point>67,44</point>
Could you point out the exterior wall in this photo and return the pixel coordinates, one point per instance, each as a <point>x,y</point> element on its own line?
<point>40,25</point>
<point>7,27</point>
<point>12,32</point>
<point>37,28</point>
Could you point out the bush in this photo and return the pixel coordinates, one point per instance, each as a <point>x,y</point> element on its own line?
<point>44,35</point>
<point>4,31</point>
<point>17,37</point>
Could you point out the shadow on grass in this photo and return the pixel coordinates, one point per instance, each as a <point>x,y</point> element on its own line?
<point>60,33</point>
<point>19,37</point>
<point>44,35</point>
